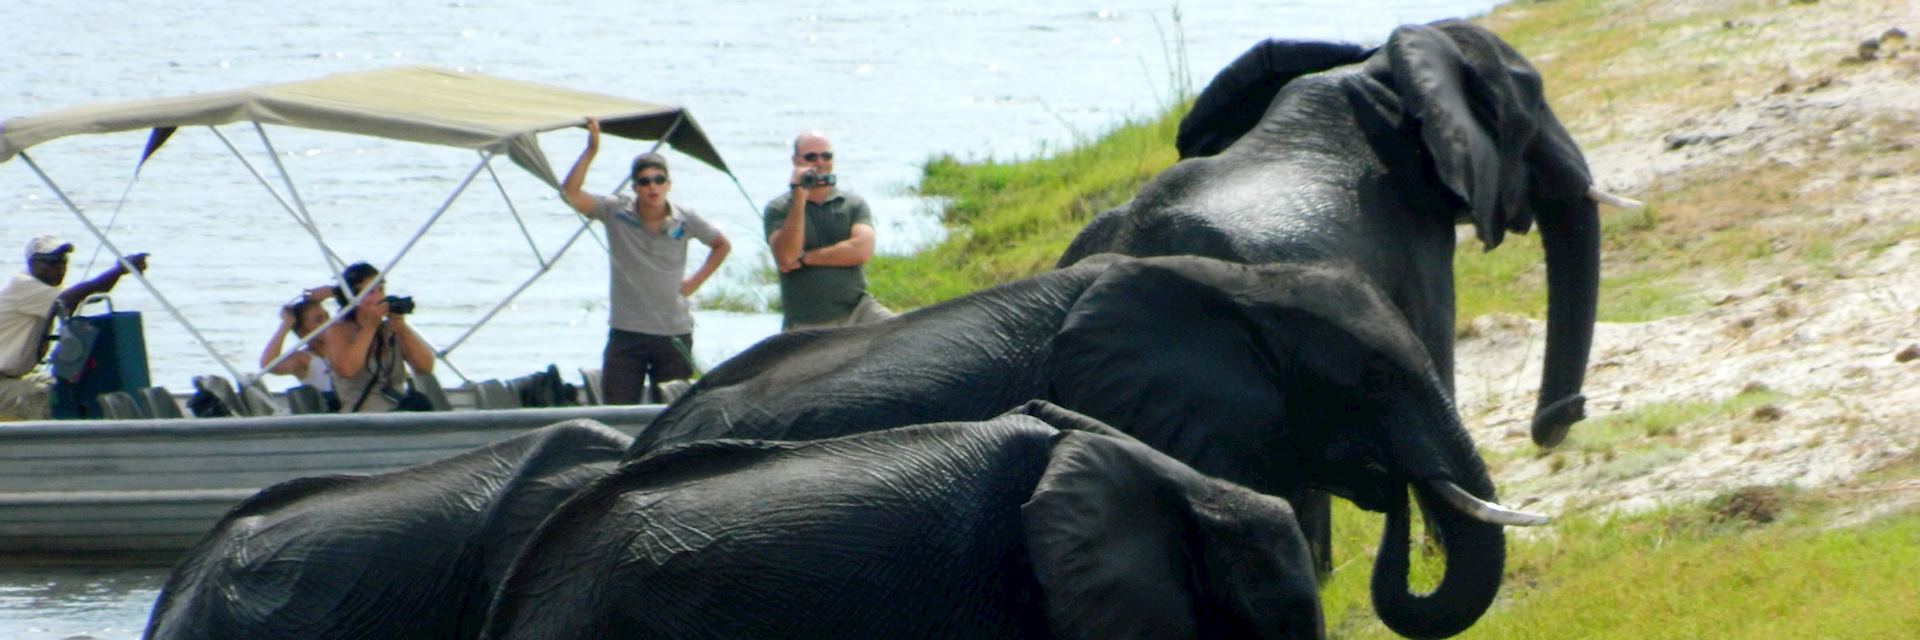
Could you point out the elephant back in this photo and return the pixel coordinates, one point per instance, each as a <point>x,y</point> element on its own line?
<point>915,532</point>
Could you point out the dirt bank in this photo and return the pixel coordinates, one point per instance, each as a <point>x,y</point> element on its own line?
<point>1797,372</point>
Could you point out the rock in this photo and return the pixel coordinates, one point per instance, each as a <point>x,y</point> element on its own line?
<point>1909,354</point>
<point>1869,49</point>
<point>1678,140</point>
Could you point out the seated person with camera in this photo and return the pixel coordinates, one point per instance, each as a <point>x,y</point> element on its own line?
<point>821,237</point>
<point>301,317</point>
<point>366,349</point>
<point>28,304</point>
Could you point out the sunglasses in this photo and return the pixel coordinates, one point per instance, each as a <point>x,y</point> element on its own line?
<point>58,259</point>
<point>811,156</point>
<point>641,181</point>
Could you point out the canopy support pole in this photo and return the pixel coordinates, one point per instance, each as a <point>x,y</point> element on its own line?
<point>115,218</point>
<point>294,193</point>
<point>335,264</point>
<point>353,300</point>
<point>486,158</point>
<point>546,264</point>
<point>524,233</point>
<point>136,273</point>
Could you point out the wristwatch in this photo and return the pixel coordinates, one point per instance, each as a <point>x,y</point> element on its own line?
<point>802,260</point>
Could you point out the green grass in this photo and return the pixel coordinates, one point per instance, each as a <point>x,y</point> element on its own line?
<point>731,299</point>
<point>1010,220</point>
<point>1756,563</point>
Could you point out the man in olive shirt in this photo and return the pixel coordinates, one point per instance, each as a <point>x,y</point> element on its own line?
<point>821,236</point>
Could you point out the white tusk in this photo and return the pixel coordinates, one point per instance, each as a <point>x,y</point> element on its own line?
<point>1618,202</point>
<point>1486,511</point>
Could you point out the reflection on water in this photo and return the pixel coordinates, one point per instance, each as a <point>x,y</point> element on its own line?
<point>63,603</point>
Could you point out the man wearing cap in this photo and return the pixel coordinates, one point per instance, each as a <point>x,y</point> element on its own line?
<point>28,303</point>
<point>652,322</point>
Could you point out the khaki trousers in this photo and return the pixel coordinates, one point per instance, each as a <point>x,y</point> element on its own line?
<point>25,397</point>
<point>868,310</point>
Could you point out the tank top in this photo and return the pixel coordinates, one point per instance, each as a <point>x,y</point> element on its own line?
<point>384,368</point>
<point>319,375</point>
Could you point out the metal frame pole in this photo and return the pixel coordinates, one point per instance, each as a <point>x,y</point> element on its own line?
<point>300,215</point>
<point>136,273</point>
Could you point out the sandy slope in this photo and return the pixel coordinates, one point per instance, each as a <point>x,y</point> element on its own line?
<point>1828,346</point>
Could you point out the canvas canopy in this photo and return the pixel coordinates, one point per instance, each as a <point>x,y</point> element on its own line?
<point>418,104</point>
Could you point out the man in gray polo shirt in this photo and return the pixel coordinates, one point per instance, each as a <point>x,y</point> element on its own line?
<point>651,340</point>
<point>821,237</point>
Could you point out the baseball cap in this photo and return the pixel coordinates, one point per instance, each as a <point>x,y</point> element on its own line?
<point>46,244</point>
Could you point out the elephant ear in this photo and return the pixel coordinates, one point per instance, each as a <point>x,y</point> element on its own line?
<point>1235,101</point>
<point>1108,544</point>
<point>1472,120</point>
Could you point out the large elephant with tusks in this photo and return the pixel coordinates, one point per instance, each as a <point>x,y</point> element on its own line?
<point>1313,150</point>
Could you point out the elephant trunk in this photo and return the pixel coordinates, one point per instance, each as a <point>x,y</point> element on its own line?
<point>1570,234</point>
<point>1432,450</point>
<point>1476,555</point>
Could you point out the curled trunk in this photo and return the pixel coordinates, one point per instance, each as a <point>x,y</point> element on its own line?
<point>1475,555</point>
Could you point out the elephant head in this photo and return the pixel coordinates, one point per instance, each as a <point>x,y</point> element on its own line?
<point>1287,377</point>
<point>1470,110</point>
<point>1128,543</point>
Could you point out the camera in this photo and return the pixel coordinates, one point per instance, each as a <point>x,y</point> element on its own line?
<point>400,304</point>
<point>811,179</point>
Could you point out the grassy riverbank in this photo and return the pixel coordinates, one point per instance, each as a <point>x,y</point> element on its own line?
<point>1753,396</point>
<point>1010,220</point>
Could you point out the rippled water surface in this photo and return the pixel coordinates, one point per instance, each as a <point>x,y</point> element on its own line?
<point>893,82</point>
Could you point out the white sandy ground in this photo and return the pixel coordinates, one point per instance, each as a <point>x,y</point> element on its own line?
<point>1828,346</point>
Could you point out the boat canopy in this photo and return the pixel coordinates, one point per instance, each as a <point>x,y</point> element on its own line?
<point>416,103</point>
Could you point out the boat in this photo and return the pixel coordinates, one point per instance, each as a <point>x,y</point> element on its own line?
<point>143,490</point>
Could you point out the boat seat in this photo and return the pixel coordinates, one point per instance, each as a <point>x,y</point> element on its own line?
<point>590,385</point>
<point>160,403</point>
<point>672,390</point>
<point>257,401</point>
<point>429,386</point>
<point>222,392</point>
<point>494,394</point>
<point>306,399</point>
<point>119,405</point>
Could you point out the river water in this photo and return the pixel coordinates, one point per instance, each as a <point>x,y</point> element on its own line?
<point>892,82</point>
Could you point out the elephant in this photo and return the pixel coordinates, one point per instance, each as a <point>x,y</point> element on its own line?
<point>1310,150</point>
<point>1278,377</point>
<point>414,553</point>
<point>1039,523</point>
